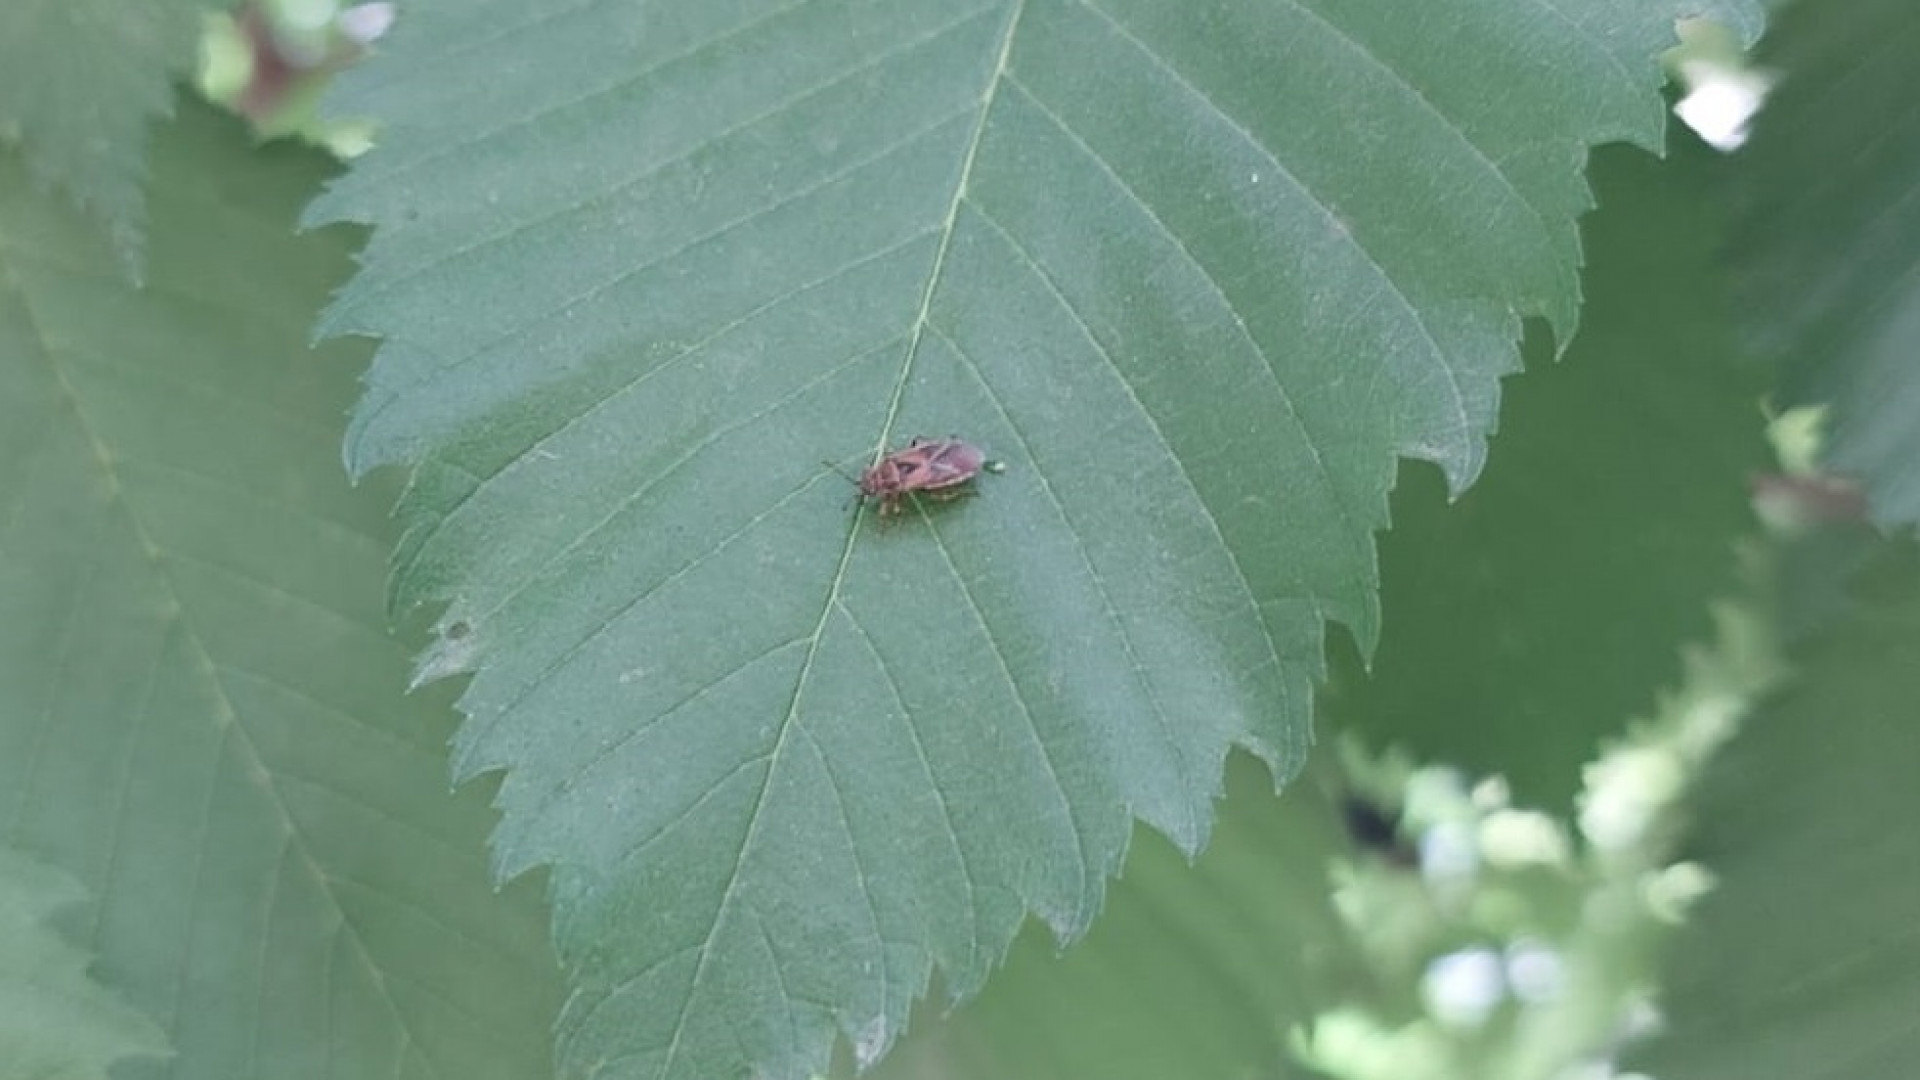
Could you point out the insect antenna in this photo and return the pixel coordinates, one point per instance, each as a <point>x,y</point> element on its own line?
<point>844,474</point>
<point>848,477</point>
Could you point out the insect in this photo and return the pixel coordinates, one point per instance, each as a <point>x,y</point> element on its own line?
<point>937,467</point>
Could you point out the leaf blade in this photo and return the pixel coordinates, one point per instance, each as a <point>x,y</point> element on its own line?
<point>79,83</point>
<point>58,1021</point>
<point>200,717</point>
<point>623,318</point>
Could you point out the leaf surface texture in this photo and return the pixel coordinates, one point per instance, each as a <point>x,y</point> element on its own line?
<point>1195,273</point>
<point>201,716</point>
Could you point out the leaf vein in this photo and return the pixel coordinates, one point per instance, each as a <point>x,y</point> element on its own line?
<point>269,909</point>
<point>223,716</point>
<point>933,784</point>
<point>487,134</point>
<point>639,847</point>
<point>575,775</point>
<point>654,169</point>
<point>1180,466</point>
<point>859,867</point>
<point>465,856</point>
<point>16,497</point>
<point>780,981</point>
<point>1163,722</point>
<point>1438,355</point>
<point>988,95</point>
<point>615,991</point>
<point>366,542</point>
<point>732,887</point>
<point>62,658</point>
<point>267,592</point>
<point>1357,537</point>
<point>547,672</point>
<point>791,718</point>
<point>202,830</point>
<point>1020,698</point>
<point>567,307</point>
<point>618,393</point>
<point>692,564</point>
<point>500,32</point>
<point>138,717</point>
<point>1432,108</point>
<point>1599,43</point>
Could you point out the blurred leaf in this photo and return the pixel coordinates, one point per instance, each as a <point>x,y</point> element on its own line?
<point>79,82</point>
<point>200,714</point>
<point>1804,962</point>
<point>56,1023</point>
<point>1539,612</point>
<point>1196,273</point>
<point>1195,971</point>
<point>1830,248</point>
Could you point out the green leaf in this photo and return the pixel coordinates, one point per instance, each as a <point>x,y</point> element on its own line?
<point>200,710</point>
<point>1195,273</point>
<point>1625,514</point>
<point>1537,614</point>
<point>1830,251</point>
<point>1804,962</point>
<point>56,1022</point>
<point>1195,970</point>
<point>79,82</point>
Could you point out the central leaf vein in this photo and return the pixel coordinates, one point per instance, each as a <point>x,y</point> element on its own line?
<point>790,719</point>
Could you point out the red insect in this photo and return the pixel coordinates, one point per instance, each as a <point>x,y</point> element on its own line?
<point>936,466</point>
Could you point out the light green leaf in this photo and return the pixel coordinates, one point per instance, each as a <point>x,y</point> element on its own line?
<point>1195,272</point>
<point>1830,251</point>
<point>1804,961</point>
<point>200,709</point>
<point>56,1022</point>
<point>79,82</point>
<point>1537,614</point>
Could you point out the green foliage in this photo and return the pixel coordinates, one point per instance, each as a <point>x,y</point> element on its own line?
<point>1197,274</point>
<point>56,1023</point>
<point>200,715</point>
<point>1829,256</point>
<point>1619,497</point>
<point>635,276</point>
<point>1628,512</point>
<point>79,82</point>
<point>1195,970</point>
<point>1804,961</point>
<point>1534,946</point>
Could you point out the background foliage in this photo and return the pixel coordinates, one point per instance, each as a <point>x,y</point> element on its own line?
<point>1198,275</point>
<point>1826,257</point>
<point>204,722</point>
<point>1813,918</point>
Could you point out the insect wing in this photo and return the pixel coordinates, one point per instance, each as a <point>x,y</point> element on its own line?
<point>943,463</point>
